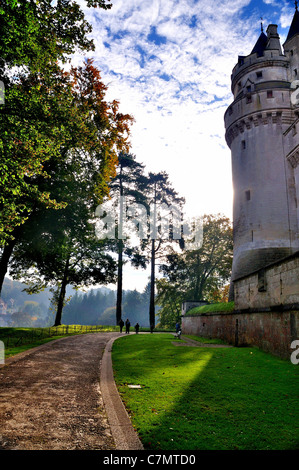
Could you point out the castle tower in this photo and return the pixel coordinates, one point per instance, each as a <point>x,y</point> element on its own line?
<point>265,218</point>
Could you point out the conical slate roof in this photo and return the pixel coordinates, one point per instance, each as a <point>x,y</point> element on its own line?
<point>294,29</point>
<point>260,45</point>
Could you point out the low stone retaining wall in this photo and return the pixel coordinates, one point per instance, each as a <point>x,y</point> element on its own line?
<point>271,331</point>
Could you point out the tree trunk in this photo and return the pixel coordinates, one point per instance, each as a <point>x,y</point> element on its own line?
<point>62,294</point>
<point>7,252</point>
<point>119,282</point>
<point>120,252</point>
<point>152,295</point>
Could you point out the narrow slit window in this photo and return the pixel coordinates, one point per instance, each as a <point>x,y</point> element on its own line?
<point>269,94</point>
<point>248,195</point>
<point>262,281</point>
<point>243,144</point>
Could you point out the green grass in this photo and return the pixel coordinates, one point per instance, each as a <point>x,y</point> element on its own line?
<point>194,398</point>
<point>220,307</point>
<point>202,339</point>
<point>17,340</point>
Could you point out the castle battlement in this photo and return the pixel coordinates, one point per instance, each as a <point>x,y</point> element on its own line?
<point>282,117</point>
<point>262,131</point>
<point>267,103</point>
<point>269,58</point>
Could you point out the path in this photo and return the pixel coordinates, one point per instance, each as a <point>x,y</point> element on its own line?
<point>62,396</point>
<point>50,399</point>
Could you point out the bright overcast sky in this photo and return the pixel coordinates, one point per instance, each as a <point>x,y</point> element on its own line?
<point>169,62</point>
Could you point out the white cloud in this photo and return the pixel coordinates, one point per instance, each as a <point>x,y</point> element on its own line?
<point>177,90</point>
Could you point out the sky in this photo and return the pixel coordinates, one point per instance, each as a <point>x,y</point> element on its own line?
<point>168,63</point>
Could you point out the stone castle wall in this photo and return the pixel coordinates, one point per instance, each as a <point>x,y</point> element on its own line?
<point>272,332</point>
<point>266,311</point>
<point>275,285</point>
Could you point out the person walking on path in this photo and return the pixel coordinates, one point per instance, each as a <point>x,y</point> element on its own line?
<point>137,328</point>
<point>121,325</point>
<point>128,324</point>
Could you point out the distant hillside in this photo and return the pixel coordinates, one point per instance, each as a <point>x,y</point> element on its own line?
<point>20,309</point>
<point>94,307</point>
<point>14,290</point>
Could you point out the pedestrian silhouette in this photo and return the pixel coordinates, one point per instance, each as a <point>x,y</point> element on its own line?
<point>121,325</point>
<point>128,324</point>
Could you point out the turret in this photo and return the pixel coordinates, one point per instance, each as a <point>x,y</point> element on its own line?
<point>265,207</point>
<point>291,47</point>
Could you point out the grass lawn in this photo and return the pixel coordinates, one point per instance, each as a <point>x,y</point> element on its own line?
<point>200,398</point>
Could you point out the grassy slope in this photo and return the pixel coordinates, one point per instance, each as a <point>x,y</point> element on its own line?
<point>203,398</point>
<point>220,307</point>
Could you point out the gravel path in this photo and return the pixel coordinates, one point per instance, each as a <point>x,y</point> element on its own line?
<point>51,399</point>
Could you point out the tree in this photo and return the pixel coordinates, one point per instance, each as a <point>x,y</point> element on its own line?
<point>127,189</point>
<point>44,31</point>
<point>160,193</point>
<point>169,298</point>
<point>67,251</point>
<point>33,118</point>
<point>61,254</point>
<point>197,274</point>
<point>220,294</point>
<point>40,115</point>
<point>79,178</point>
<point>108,316</point>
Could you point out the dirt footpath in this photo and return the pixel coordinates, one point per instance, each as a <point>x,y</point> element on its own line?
<point>51,399</point>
